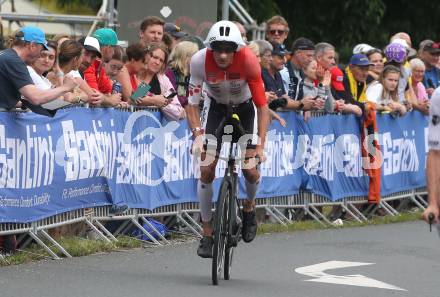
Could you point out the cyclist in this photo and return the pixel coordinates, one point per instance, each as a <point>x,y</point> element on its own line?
<point>433,160</point>
<point>232,76</point>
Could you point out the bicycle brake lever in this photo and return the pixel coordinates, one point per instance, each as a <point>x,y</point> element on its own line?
<point>430,221</point>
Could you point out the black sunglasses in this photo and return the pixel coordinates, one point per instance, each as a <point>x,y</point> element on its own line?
<point>278,32</point>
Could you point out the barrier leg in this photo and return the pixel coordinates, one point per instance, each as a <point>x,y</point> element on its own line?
<point>55,243</point>
<point>382,205</point>
<point>281,215</point>
<point>97,230</point>
<point>419,201</point>
<point>371,208</point>
<point>274,216</point>
<point>139,226</point>
<point>351,213</point>
<point>180,218</point>
<point>391,210</point>
<point>320,214</point>
<point>154,229</point>
<point>103,228</point>
<point>123,228</point>
<point>357,211</point>
<point>306,211</point>
<point>198,227</point>
<point>43,245</point>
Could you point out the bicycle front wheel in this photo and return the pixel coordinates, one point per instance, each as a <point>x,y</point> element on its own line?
<point>220,231</point>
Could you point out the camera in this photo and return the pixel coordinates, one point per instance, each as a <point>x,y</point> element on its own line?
<point>277,103</point>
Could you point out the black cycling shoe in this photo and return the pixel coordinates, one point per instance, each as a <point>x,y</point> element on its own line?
<point>249,226</point>
<point>205,247</point>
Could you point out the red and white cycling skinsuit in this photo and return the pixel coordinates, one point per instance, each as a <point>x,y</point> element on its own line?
<point>240,84</point>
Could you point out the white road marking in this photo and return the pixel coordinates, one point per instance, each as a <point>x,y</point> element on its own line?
<point>317,271</point>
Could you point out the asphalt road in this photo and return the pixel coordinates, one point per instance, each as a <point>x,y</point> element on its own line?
<point>405,255</point>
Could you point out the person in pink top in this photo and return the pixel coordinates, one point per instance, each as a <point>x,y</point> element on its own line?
<point>417,73</point>
<point>161,86</point>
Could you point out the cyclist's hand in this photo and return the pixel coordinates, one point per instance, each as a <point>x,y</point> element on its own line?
<point>259,153</point>
<point>431,209</point>
<point>197,145</point>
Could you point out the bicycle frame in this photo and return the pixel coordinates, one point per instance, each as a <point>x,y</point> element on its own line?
<point>227,229</point>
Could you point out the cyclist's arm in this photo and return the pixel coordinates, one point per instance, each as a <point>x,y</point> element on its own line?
<point>433,160</point>
<point>433,178</point>
<point>197,77</point>
<point>256,87</point>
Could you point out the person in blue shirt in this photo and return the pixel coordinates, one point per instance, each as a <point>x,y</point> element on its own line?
<point>429,53</point>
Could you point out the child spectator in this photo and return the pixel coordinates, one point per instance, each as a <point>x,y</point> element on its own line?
<point>385,92</point>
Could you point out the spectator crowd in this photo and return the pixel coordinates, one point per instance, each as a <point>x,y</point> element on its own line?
<point>303,76</point>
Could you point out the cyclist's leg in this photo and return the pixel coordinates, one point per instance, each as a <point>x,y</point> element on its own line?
<point>210,119</point>
<point>248,117</point>
<point>204,193</point>
<point>252,182</point>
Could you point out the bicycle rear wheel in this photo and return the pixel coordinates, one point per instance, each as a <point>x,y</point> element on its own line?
<point>221,225</point>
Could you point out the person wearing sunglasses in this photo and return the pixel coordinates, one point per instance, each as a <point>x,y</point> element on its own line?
<point>429,53</point>
<point>231,76</point>
<point>277,30</point>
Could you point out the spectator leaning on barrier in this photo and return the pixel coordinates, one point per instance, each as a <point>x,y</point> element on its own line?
<point>303,52</point>
<point>384,92</point>
<point>429,53</point>
<point>321,93</point>
<point>73,52</point>
<point>15,80</point>
<point>69,60</point>
<point>417,73</point>
<point>395,54</point>
<point>151,30</point>
<point>43,65</point>
<point>355,85</point>
<point>253,46</point>
<point>274,83</point>
<point>325,57</point>
<point>95,75</point>
<point>157,58</point>
<point>128,76</point>
<point>178,69</point>
<point>114,66</point>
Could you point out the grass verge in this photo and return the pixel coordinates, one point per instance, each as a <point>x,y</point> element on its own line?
<point>78,247</point>
<point>311,225</point>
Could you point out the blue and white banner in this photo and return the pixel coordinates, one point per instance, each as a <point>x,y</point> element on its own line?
<point>333,160</point>
<point>92,157</point>
<point>404,148</point>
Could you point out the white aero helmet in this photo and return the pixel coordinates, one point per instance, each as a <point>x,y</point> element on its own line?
<point>224,31</point>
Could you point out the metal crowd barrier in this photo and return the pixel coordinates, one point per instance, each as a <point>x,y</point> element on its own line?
<point>184,213</point>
